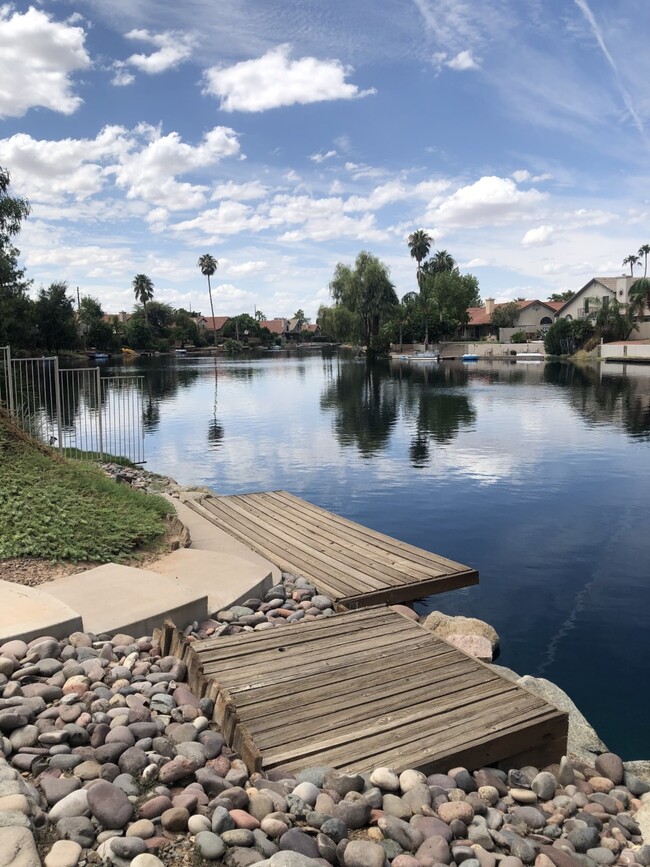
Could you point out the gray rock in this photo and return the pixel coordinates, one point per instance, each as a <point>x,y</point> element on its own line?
<point>611,766</point>
<point>355,814</point>
<point>601,855</point>
<point>72,806</point>
<point>343,783</point>
<point>109,805</point>
<point>78,828</point>
<point>210,846</point>
<point>128,847</point>
<point>222,821</point>
<point>133,761</point>
<point>17,847</point>
<point>241,857</point>
<point>544,786</point>
<point>238,837</point>
<point>363,853</point>
<point>297,841</point>
<point>57,788</point>
<point>530,816</point>
<point>434,850</point>
<point>335,829</point>
<point>408,836</point>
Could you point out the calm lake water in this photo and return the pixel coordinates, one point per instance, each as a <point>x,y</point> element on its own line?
<point>536,474</point>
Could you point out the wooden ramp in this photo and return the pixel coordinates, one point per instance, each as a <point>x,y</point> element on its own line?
<point>350,563</point>
<point>364,689</point>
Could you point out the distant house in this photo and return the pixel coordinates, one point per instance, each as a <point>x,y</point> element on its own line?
<point>595,294</point>
<point>209,324</point>
<point>122,316</point>
<point>313,328</point>
<point>534,316</point>
<point>275,326</point>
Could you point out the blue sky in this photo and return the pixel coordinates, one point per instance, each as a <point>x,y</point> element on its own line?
<point>284,137</point>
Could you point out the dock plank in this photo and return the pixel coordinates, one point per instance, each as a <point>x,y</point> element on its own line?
<point>368,688</point>
<point>354,565</point>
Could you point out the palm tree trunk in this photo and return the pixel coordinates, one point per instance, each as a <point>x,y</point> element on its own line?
<point>426,331</point>
<point>400,337</point>
<point>214,327</point>
<point>645,265</point>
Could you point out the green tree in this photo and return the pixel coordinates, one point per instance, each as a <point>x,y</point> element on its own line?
<point>300,316</point>
<point>241,327</point>
<point>565,336</point>
<point>365,290</point>
<point>95,330</point>
<point>143,290</point>
<point>639,297</point>
<point>565,296</point>
<point>644,250</point>
<point>16,308</point>
<point>185,329</point>
<point>339,324</point>
<point>55,318</point>
<point>259,316</point>
<point>208,266</point>
<point>614,322</point>
<point>444,300</point>
<point>505,315</point>
<point>440,263</point>
<point>631,260</point>
<point>419,243</point>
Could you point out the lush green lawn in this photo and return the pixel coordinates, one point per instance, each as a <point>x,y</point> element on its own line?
<point>68,510</point>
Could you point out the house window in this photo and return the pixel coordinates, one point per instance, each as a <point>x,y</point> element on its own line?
<point>546,320</point>
<point>569,318</point>
<point>605,300</point>
<point>620,291</point>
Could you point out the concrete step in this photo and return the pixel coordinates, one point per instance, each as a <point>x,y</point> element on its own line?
<point>226,578</point>
<point>29,612</point>
<point>114,598</point>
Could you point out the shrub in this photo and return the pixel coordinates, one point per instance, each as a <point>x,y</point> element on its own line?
<point>518,337</point>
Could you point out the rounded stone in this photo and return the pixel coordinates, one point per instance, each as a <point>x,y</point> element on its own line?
<point>242,819</point>
<point>386,779</point>
<point>146,860</point>
<point>64,853</point>
<point>307,792</point>
<point>611,766</point>
<point>109,805</point>
<point>456,810</point>
<point>363,853</point>
<point>544,786</point>
<point>128,847</point>
<point>143,828</point>
<point>175,819</point>
<point>210,846</point>
<point>409,779</point>
<point>238,837</point>
<point>197,824</point>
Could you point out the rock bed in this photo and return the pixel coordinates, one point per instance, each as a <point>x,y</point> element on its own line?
<point>110,758</point>
<point>293,600</point>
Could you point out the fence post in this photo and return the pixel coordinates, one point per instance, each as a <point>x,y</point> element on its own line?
<point>100,425</point>
<point>57,399</point>
<point>10,380</point>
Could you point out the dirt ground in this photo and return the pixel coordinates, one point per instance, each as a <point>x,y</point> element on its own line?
<point>32,571</point>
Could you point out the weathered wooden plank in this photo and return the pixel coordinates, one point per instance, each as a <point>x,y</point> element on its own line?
<point>349,562</point>
<point>327,536</point>
<point>373,536</point>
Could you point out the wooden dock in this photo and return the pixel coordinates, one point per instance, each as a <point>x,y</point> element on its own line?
<point>353,565</point>
<point>364,689</point>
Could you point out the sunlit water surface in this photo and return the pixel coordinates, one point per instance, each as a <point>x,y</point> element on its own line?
<point>535,474</point>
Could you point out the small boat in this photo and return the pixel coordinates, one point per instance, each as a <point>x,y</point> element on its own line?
<point>425,356</point>
<point>101,356</point>
<point>469,357</point>
<point>181,351</point>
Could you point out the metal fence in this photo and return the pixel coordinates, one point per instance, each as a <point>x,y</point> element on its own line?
<point>75,410</point>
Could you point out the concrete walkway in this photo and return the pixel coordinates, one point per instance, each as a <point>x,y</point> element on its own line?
<point>189,584</point>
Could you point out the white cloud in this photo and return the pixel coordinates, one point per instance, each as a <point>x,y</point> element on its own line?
<point>462,62</point>
<point>239,192</point>
<point>320,158</point>
<point>521,176</point>
<point>37,59</point>
<point>142,161</point>
<point>489,201</point>
<point>542,236</point>
<point>173,49</point>
<point>122,77</point>
<point>475,263</point>
<point>274,80</point>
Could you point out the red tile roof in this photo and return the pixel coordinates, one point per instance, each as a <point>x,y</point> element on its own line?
<point>219,322</point>
<point>479,316</point>
<point>275,326</point>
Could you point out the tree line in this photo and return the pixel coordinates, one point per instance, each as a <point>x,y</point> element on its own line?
<point>367,311</point>
<point>57,322</point>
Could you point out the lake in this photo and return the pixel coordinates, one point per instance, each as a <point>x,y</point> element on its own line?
<point>535,474</point>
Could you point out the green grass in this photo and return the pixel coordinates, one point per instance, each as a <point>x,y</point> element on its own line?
<point>66,510</point>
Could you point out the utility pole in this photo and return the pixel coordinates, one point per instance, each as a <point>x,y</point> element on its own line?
<point>78,300</point>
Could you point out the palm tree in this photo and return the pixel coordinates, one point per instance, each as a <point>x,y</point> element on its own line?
<point>631,260</point>
<point>442,262</point>
<point>419,244</point>
<point>208,265</point>
<point>639,298</point>
<point>143,291</point>
<point>644,250</point>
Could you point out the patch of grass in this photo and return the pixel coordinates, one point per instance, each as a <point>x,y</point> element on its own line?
<point>105,458</point>
<point>67,510</point>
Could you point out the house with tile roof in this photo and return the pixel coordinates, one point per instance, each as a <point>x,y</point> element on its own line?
<point>534,316</point>
<point>599,291</point>
<point>275,326</point>
<point>208,324</point>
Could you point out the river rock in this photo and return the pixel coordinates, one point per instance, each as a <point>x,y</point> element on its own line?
<point>297,841</point>
<point>109,805</point>
<point>386,779</point>
<point>611,766</point>
<point>17,848</point>
<point>363,853</point>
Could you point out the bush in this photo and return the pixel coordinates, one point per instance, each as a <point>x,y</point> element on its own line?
<point>565,336</point>
<point>518,337</point>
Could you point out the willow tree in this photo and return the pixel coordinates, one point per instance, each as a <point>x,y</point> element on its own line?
<point>366,290</point>
<point>208,265</point>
